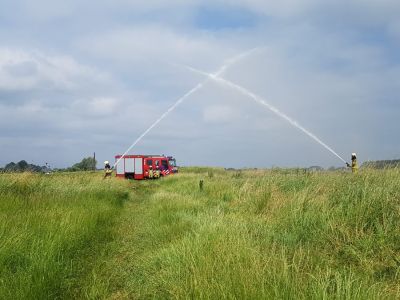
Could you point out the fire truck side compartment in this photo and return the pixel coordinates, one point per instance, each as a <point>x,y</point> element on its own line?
<point>129,165</point>
<point>121,167</point>
<point>139,166</point>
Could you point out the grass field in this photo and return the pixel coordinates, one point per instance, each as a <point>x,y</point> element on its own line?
<point>277,234</point>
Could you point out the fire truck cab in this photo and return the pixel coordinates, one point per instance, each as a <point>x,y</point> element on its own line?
<point>138,166</point>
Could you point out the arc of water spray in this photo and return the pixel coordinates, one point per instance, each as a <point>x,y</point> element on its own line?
<point>184,97</point>
<point>216,77</point>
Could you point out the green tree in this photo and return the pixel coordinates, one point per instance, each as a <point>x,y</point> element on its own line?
<point>23,165</point>
<point>10,167</point>
<point>87,164</point>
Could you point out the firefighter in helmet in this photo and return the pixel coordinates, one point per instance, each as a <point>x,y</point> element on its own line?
<point>157,172</point>
<point>107,169</point>
<point>151,173</point>
<point>354,164</point>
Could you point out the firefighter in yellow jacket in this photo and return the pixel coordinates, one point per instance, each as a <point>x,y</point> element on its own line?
<point>107,170</point>
<point>354,164</point>
<point>151,172</point>
<point>157,173</point>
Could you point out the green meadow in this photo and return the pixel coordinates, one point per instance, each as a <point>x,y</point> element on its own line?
<point>255,234</point>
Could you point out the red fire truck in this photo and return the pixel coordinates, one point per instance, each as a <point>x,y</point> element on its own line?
<point>138,166</point>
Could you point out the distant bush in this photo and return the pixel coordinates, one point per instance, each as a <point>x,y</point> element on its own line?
<point>22,166</point>
<point>382,164</point>
<point>87,164</point>
<point>200,170</point>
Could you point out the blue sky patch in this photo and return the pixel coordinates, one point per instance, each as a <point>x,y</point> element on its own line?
<point>227,18</point>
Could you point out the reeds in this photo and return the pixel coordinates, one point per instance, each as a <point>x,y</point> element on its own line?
<point>250,234</point>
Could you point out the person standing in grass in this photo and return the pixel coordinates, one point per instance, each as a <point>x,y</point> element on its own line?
<point>107,169</point>
<point>151,173</point>
<point>354,164</point>
<point>157,173</point>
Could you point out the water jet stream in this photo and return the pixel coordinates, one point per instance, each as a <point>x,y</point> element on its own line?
<point>216,77</point>
<point>184,97</point>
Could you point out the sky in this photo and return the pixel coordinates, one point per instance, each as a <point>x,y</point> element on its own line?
<point>78,77</point>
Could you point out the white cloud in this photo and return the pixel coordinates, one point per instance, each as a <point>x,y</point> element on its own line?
<point>156,44</point>
<point>220,114</point>
<point>22,70</point>
<point>101,78</point>
<point>97,106</point>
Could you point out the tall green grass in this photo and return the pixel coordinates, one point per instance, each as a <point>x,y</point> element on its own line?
<point>51,231</point>
<point>261,235</point>
<point>255,234</point>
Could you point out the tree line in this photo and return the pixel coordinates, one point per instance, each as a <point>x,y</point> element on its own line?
<point>86,164</point>
<point>382,164</point>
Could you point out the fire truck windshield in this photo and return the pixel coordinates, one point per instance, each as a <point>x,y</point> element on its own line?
<point>172,162</point>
